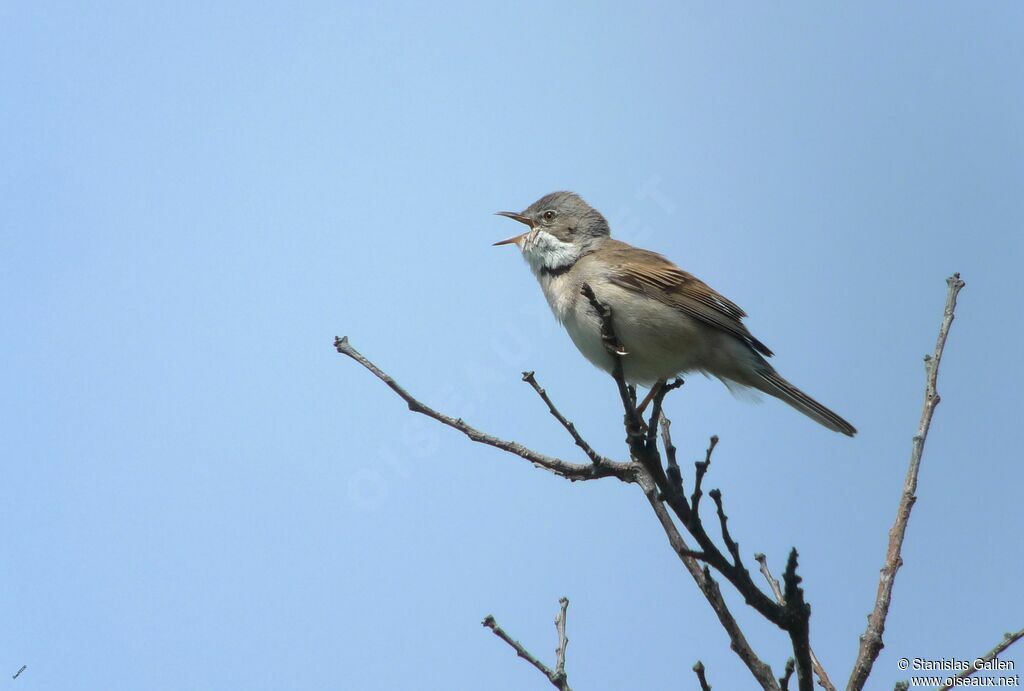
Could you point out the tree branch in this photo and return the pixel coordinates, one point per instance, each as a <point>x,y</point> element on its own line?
<point>709,587</point>
<point>871,640</point>
<point>701,470</point>
<point>823,679</point>
<point>643,449</point>
<point>570,471</point>
<point>664,491</point>
<point>634,423</point>
<point>555,676</point>
<point>656,416</point>
<point>723,520</point>
<point>674,475</point>
<point>799,614</point>
<point>787,673</point>
<point>627,472</point>
<point>596,458</point>
<point>1008,640</point>
<point>563,640</point>
<point>698,669</point>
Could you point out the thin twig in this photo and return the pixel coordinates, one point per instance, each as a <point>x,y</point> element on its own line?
<point>627,472</point>
<point>871,640</point>
<point>698,669</point>
<point>595,457</point>
<point>563,640</point>
<point>673,472</point>
<point>702,469</point>
<point>823,679</point>
<point>663,494</point>
<point>761,671</point>
<point>555,676</point>
<point>723,520</point>
<point>787,674</point>
<point>656,416</point>
<point>1008,640</point>
<point>761,559</point>
<point>570,471</point>
<point>668,492</point>
<point>634,423</point>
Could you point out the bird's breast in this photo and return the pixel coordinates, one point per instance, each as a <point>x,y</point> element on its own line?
<point>575,313</point>
<point>660,342</point>
<point>561,294</point>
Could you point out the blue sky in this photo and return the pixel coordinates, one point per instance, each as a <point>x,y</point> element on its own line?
<point>196,198</point>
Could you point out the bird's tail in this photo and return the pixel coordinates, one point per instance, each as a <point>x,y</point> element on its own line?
<point>769,381</point>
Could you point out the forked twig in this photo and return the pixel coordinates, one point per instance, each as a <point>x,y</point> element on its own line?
<point>664,491</point>
<point>627,472</point>
<point>570,471</point>
<point>596,458</point>
<point>709,587</point>
<point>556,676</point>
<point>661,491</point>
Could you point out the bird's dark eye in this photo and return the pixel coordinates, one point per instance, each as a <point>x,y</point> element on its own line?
<point>549,215</point>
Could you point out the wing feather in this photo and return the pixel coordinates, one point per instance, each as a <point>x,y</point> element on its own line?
<point>655,276</point>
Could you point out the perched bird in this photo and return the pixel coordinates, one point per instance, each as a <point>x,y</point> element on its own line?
<point>669,322</point>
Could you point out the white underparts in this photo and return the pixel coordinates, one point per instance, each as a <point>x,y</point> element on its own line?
<point>542,250</point>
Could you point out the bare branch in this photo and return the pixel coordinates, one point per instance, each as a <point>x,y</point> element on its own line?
<point>1008,640</point>
<point>871,640</point>
<point>709,587</point>
<point>634,423</point>
<point>688,513</point>
<point>823,679</point>
<point>555,676</point>
<point>595,457</point>
<point>723,520</point>
<point>761,559</point>
<point>563,640</point>
<point>643,449</point>
<point>627,472</point>
<point>698,669</point>
<point>702,469</point>
<point>674,475</point>
<point>798,613</point>
<point>819,669</point>
<point>656,416</point>
<point>787,674</point>
<point>570,471</point>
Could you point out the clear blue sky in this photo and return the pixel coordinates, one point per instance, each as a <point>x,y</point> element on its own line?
<point>199,493</point>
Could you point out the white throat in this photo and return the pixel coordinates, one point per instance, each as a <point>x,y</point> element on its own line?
<point>543,251</point>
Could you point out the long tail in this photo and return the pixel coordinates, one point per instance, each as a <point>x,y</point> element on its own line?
<point>772,384</point>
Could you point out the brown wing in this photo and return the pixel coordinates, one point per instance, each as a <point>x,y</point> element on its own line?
<point>653,275</point>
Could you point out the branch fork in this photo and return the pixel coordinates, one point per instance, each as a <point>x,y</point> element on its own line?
<point>556,676</point>
<point>662,485</point>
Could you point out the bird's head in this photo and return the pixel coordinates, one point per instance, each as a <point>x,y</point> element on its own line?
<point>563,227</point>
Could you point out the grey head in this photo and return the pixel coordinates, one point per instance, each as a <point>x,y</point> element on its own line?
<point>563,228</point>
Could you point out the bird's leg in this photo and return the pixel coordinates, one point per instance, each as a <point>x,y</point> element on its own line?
<point>650,396</point>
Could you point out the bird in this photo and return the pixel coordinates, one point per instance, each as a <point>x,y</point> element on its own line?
<point>668,321</point>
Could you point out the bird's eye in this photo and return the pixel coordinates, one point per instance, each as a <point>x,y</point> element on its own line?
<point>549,215</point>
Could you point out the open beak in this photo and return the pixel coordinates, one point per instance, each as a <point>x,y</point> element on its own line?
<point>515,217</point>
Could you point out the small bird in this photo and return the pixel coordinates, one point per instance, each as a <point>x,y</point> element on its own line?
<point>669,321</point>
